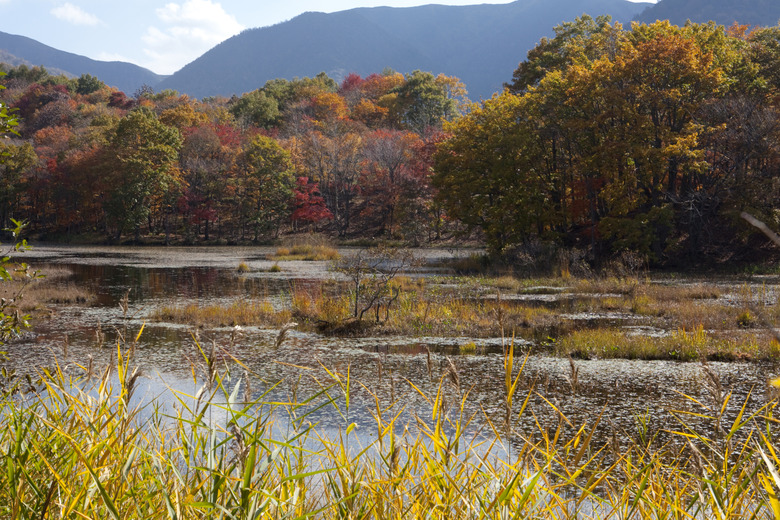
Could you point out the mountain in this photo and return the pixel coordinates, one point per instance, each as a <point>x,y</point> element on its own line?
<point>17,50</point>
<point>480,44</point>
<point>724,12</point>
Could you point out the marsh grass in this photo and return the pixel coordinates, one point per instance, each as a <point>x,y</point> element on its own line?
<point>575,321</point>
<point>414,313</point>
<point>239,313</point>
<point>50,287</point>
<point>685,345</point>
<point>81,446</point>
<point>312,247</point>
<point>307,252</point>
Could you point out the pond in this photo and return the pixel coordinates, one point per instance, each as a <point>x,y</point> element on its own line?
<point>396,371</point>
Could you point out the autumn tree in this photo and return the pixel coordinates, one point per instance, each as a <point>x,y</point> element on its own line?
<point>15,160</point>
<point>603,142</point>
<point>583,39</point>
<point>484,177</point>
<point>308,205</point>
<point>334,161</point>
<point>209,163</point>
<point>386,174</point>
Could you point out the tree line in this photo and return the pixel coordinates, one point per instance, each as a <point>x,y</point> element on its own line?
<point>352,159</point>
<point>652,138</point>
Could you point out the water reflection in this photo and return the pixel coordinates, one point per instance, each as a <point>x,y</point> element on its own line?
<point>399,374</point>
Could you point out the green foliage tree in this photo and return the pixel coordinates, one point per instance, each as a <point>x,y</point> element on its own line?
<point>424,101</point>
<point>764,51</point>
<point>144,152</point>
<point>485,178</point>
<point>256,108</point>
<point>87,84</point>
<point>269,184</point>
<point>8,121</point>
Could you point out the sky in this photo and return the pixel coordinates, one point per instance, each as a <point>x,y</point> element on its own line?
<point>160,35</point>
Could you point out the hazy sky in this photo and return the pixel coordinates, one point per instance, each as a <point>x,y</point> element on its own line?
<point>157,34</point>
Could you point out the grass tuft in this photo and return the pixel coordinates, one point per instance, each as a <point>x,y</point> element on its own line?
<point>306,252</point>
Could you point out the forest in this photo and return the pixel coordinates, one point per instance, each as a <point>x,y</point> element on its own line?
<point>652,138</point>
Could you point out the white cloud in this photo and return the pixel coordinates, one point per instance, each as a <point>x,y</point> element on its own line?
<point>191,28</point>
<point>74,14</point>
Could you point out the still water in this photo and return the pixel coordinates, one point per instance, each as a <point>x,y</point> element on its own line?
<point>394,371</point>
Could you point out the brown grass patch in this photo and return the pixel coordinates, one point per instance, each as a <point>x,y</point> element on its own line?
<point>306,252</point>
<point>51,287</point>
<point>682,344</point>
<point>239,313</point>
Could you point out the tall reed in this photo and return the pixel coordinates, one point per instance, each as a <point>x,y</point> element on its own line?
<point>81,446</point>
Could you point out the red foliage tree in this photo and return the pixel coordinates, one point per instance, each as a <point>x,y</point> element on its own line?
<point>309,206</point>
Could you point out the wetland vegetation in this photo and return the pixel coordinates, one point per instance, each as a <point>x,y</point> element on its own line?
<point>631,317</point>
<point>177,389</point>
<point>82,447</point>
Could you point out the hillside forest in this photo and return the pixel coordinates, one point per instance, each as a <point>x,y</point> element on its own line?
<point>652,138</point>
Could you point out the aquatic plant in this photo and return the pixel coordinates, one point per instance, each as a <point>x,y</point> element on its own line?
<point>85,446</point>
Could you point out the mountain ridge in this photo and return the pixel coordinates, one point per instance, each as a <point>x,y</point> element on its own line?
<point>723,12</point>
<point>480,44</point>
<point>125,76</point>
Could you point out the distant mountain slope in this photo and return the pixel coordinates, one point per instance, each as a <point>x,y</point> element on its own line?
<point>480,44</point>
<point>724,12</point>
<point>125,76</point>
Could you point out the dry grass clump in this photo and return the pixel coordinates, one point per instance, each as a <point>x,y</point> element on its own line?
<point>690,314</point>
<point>239,313</point>
<point>306,252</point>
<point>446,314</point>
<point>666,292</point>
<point>687,306</point>
<point>684,345</point>
<point>79,447</point>
<point>475,263</point>
<point>315,306</point>
<point>311,247</point>
<point>51,288</point>
<point>417,311</point>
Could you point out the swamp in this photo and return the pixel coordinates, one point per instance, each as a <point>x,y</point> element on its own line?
<point>558,397</point>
